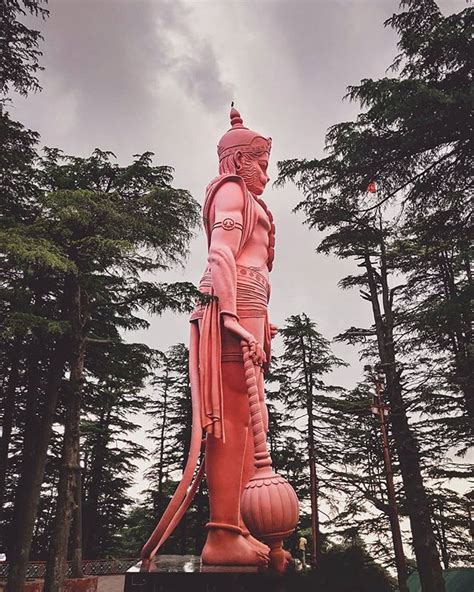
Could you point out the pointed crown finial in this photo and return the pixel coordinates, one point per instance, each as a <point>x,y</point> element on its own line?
<point>239,137</point>
<point>235,119</point>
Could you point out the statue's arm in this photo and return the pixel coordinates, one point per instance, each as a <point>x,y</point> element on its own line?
<point>226,235</point>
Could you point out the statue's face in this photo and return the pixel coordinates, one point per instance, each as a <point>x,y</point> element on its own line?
<point>253,170</point>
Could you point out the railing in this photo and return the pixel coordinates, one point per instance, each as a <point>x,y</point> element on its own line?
<point>93,567</point>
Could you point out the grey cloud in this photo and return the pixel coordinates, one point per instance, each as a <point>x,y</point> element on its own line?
<point>106,63</point>
<point>192,58</point>
<point>332,44</point>
<point>130,75</point>
<point>113,52</point>
<point>106,54</point>
<point>199,74</point>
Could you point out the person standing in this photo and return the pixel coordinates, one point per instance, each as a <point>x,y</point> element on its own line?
<point>302,544</point>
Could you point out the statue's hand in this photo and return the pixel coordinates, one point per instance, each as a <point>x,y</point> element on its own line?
<point>256,350</point>
<point>273,330</point>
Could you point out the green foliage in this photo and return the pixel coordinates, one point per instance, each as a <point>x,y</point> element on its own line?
<point>171,413</point>
<point>82,240</point>
<point>30,252</point>
<point>19,46</point>
<point>306,403</point>
<point>349,568</point>
<point>17,174</point>
<point>77,249</point>
<point>413,137</point>
<point>113,399</point>
<point>135,531</point>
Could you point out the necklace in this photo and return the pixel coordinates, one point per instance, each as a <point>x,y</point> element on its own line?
<point>271,232</point>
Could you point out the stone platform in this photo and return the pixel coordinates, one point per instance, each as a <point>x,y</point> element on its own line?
<point>184,573</point>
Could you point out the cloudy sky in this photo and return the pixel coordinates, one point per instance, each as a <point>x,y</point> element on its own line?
<point>136,75</point>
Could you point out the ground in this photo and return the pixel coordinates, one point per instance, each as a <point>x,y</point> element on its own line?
<point>111,583</point>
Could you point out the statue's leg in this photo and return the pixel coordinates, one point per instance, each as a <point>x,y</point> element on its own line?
<point>224,460</point>
<point>225,544</point>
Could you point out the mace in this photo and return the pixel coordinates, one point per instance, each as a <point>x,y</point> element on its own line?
<point>270,508</point>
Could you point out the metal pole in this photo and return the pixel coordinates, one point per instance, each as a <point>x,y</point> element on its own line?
<point>392,501</point>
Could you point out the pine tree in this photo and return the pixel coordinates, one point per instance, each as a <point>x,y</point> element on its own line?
<point>306,360</point>
<point>452,535</point>
<point>171,431</point>
<point>113,396</point>
<point>107,217</point>
<point>360,478</point>
<point>434,253</point>
<point>103,226</point>
<point>19,46</point>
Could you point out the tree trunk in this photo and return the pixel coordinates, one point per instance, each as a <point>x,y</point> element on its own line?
<point>30,429</point>
<point>424,543</point>
<point>464,365</point>
<point>31,477</point>
<point>392,501</point>
<point>182,535</point>
<point>461,335</point>
<point>91,509</point>
<point>316,535</point>
<point>76,537</point>
<point>315,531</point>
<point>440,530</point>
<point>8,413</point>
<point>57,558</point>
<point>163,434</point>
<point>199,534</point>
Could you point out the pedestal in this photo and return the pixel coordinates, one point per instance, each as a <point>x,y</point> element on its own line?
<point>183,573</point>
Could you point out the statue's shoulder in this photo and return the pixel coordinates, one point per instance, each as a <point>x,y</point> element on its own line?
<point>249,215</point>
<point>225,190</point>
<point>221,181</point>
<point>224,185</point>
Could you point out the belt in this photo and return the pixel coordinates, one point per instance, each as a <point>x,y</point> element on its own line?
<point>251,295</point>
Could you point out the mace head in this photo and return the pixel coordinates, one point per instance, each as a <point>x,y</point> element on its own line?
<point>241,138</point>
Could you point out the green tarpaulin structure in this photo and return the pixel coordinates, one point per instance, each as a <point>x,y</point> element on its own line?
<point>457,580</point>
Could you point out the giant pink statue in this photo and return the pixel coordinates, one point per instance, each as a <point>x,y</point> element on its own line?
<point>252,509</point>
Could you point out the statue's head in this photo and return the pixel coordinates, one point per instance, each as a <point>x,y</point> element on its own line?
<point>245,153</point>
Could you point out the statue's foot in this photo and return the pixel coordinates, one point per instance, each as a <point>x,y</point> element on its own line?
<point>258,545</point>
<point>229,547</point>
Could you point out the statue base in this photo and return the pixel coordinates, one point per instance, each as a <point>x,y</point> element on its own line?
<point>176,573</point>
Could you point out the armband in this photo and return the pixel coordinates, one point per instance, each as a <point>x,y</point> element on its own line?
<point>228,224</point>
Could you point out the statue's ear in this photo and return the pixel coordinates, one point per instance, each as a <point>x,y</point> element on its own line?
<point>238,160</point>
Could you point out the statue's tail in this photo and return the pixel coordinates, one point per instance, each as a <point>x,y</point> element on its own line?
<point>187,488</point>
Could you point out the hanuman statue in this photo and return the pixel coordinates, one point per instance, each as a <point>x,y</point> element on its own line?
<point>241,239</point>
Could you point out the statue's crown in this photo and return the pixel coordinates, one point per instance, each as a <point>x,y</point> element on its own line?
<point>242,138</point>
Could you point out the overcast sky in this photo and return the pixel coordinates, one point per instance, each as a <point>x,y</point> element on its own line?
<point>136,75</point>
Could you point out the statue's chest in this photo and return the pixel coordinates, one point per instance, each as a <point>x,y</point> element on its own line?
<point>266,226</point>
<point>263,219</point>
